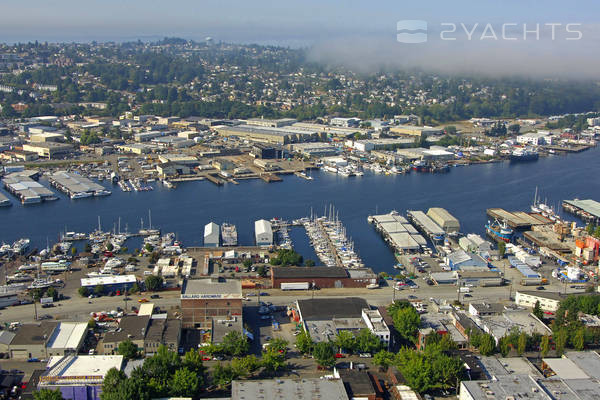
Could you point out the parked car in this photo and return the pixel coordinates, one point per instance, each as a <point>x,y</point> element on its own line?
<point>365,355</point>
<point>339,355</point>
<point>155,296</point>
<point>142,300</point>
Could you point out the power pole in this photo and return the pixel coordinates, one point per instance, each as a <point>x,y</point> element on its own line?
<point>34,308</point>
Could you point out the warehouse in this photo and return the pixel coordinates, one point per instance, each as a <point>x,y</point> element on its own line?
<point>78,377</point>
<point>110,284</point>
<point>426,224</point>
<point>26,189</point>
<point>444,219</point>
<point>263,233</point>
<point>67,338</point>
<point>419,131</point>
<point>212,234</point>
<point>76,186</point>
<point>549,301</point>
<point>323,277</point>
<point>48,149</point>
<point>271,135</point>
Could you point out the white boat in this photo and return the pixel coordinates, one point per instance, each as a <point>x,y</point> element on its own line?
<point>81,195</point>
<point>102,192</point>
<point>20,246</point>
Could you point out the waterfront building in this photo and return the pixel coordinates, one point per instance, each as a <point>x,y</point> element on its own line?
<point>212,235</point>
<point>263,233</point>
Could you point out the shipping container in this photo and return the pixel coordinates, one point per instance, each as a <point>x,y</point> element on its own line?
<point>295,286</point>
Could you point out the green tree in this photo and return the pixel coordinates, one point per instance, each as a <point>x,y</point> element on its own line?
<point>561,337</point>
<point>153,282</point>
<point>47,394</point>
<point>245,366</point>
<point>367,342</point>
<point>112,380</point>
<point>83,291</point>
<point>537,310</point>
<point>450,130</point>
<point>247,263</point>
<point>304,343</point>
<point>579,339</point>
<point>324,354</point>
<point>383,358</point>
<point>309,263</point>
<point>501,248</point>
<point>261,271</point>
<point>522,344</point>
<point>52,292</point>
<point>345,340</point>
<point>98,290</point>
<point>192,360</point>
<point>184,383</point>
<point>545,345</point>
<point>287,257</point>
<point>273,360</point>
<point>590,229</point>
<point>110,246</point>
<point>223,375</point>
<point>514,129</point>
<point>235,344</point>
<point>406,322</point>
<point>487,345</point>
<point>128,349</point>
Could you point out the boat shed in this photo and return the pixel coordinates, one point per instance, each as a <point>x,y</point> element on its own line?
<point>212,235</point>
<point>422,221</point>
<point>444,219</point>
<point>263,233</point>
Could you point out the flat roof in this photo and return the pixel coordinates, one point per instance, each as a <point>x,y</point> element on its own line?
<point>308,272</point>
<point>284,389</point>
<point>565,368</point>
<point>211,288</point>
<point>427,223</point>
<point>588,361</point>
<point>327,309</point>
<point>68,335</point>
<point>357,383</point>
<point>108,280</point>
<point>91,369</point>
<point>29,334</point>
<point>589,206</point>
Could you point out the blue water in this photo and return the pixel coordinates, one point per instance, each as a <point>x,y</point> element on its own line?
<point>466,192</point>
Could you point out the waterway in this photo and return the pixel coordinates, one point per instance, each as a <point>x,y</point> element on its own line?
<point>465,191</point>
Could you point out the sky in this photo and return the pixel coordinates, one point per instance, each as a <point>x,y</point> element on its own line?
<point>360,33</point>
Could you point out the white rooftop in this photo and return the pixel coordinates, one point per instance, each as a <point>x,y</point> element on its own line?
<point>67,335</point>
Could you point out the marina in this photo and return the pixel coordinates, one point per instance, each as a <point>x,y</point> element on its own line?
<point>398,233</point>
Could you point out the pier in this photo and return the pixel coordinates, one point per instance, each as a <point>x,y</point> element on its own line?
<point>270,178</point>
<point>517,219</point>
<point>588,210</point>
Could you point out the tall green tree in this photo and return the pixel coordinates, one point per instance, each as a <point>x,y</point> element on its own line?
<point>522,344</point>
<point>128,349</point>
<point>304,342</point>
<point>235,344</point>
<point>537,310</point>
<point>184,383</point>
<point>367,342</point>
<point>487,345</point>
<point>579,339</point>
<point>47,394</point>
<point>345,340</point>
<point>545,345</point>
<point>324,354</point>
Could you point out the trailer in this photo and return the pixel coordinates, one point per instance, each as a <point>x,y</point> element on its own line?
<point>295,286</point>
<point>531,281</point>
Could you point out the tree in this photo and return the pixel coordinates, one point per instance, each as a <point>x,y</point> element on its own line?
<point>406,322</point>
<point>128,349</point>
<point>450,130</point>
<point>345,340</point>
<point>309,263</point>
<point>579,339</point>
<point>537,310</point>
<point>223,375</point>
<point>304,343</point>
<point>153,282</point>
<point>52,292</point>
<point>501,248</point>
<point>192,360</point>
<point>184,383</point>
<point>272,359</point>
<point>113,378</point>
<point>247,263</point>
<point>324,354</point>
<point>560,340</point>
<point>522,343</point>
<point>110,246</point>
<point>98,290</point>
<point>383,358</point>
<point>286,257</point>
<point>367,342</point>
<point>47,394</point>
<point>261,271</point>
<point>545,345</point>
<point>487,345</point>
<point>83,291</point>
<point>514,129</point>
<point>245,366</point>
<point>235,344</point>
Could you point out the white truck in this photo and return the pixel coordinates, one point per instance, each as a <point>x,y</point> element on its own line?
<point>295,286</point>
<point>464,289</point>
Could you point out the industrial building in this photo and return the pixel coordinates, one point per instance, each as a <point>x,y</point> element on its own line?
<point>419,131</point>
<point>535,138</point>
<point>444,219</point>
<point>76,186</point>
<point>78,377</point>
<point>26,189</point>
<point>285,389</point>
<point>271,135</point>
<point>48,150</point>
<point>314,149</point>
<point>206,300</point>
<point>46,339</point>
<point>212,235</point>
<point>398,232</point>
<point>426,225</point>
<point>345,122</point>
<point>549,301</point>
<point>67,338</point>
<point>323,277</point>
<point>110,284</point>
<point>263,233</point>
<point>379,144</point>
<point>147,332</point>
<point>271,123</point>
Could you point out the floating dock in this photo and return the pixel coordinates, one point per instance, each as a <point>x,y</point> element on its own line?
<point>517,219</point>
<point>215,180</point>
<point>270,178</point>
